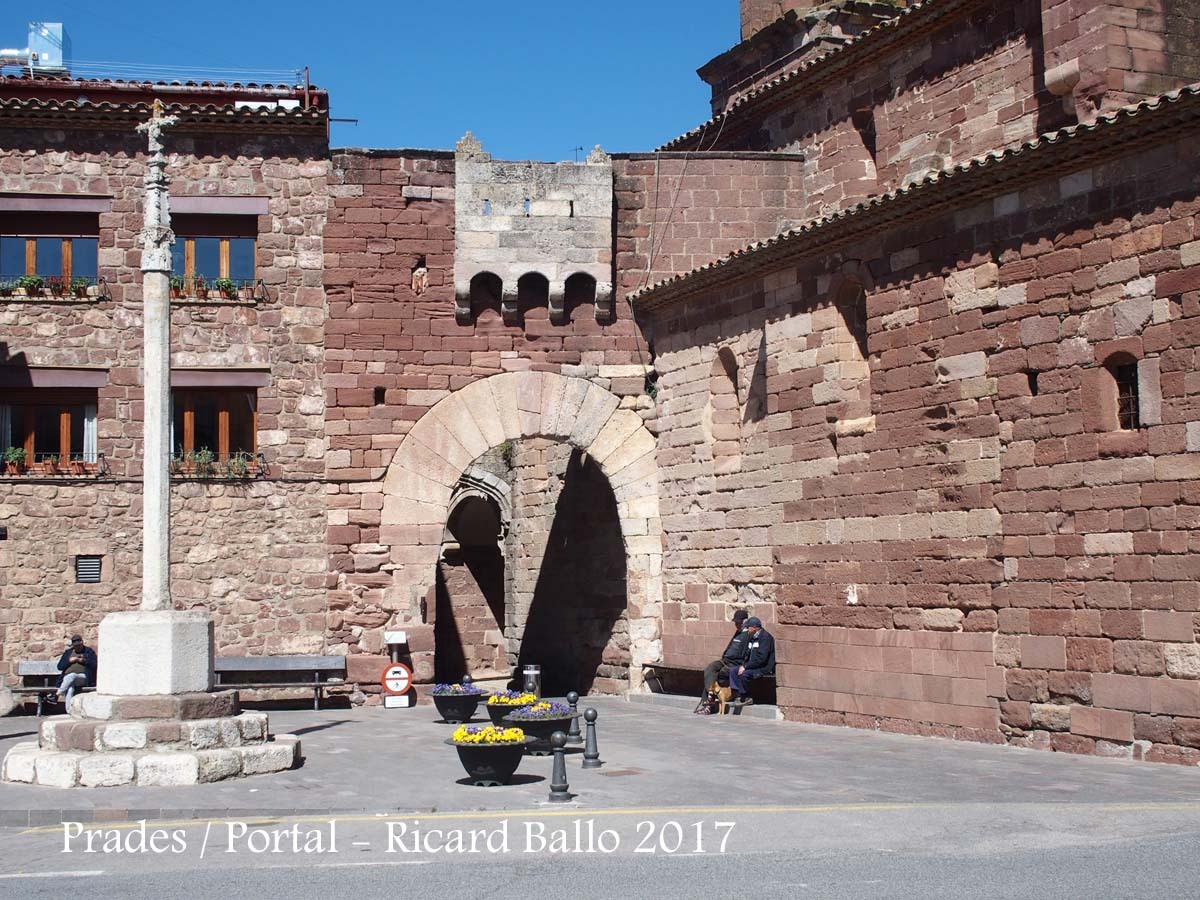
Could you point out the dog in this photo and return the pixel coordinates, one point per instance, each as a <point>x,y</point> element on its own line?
<point>723,694</point>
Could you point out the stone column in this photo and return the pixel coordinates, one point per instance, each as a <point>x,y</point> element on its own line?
<point>156,650</point>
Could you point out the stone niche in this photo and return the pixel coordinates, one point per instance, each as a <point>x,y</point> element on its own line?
<point>531,234</point>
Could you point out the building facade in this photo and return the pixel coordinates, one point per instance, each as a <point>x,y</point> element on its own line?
<point>896,351</point>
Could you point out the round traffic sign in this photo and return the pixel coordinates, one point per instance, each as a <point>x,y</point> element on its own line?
<point>396,679</point>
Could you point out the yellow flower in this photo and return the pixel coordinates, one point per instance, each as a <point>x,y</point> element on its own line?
<point>511,700</point>
<point>472,734</point>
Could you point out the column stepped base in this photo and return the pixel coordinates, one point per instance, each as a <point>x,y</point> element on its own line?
<point>27,763</point>
<point>150,741</point>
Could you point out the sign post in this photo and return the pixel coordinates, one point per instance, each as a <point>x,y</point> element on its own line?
<point>397,682</point>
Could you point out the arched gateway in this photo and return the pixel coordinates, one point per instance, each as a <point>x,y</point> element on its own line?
<point>443,444</point>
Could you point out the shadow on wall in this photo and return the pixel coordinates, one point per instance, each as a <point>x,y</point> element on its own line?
<point>576,625</point>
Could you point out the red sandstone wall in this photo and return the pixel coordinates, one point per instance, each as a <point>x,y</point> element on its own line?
<point>970,558</point>
<point>677,212</point>
<point>389,208</point>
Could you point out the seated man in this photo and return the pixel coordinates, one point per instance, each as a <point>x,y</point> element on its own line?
<point>759,663</point>
<point>78,665</point>
<point>734,655</point>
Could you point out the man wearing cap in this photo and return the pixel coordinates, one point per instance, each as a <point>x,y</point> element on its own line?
<point>760,661</point>
<point>78,665</point>
<point>734,655</point>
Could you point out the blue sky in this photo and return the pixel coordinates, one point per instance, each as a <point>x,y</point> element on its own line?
<point>531,78</point>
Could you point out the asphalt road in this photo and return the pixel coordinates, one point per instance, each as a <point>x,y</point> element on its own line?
<point>951,850</point>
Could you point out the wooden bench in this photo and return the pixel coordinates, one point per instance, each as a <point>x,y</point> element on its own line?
<point>40,677</point>
<point>320,673</point>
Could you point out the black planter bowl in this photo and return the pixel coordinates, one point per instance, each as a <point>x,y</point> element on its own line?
<point>540,730</point>
<point>489,765</point>
<point>497,711</point>
<point>457,708</point>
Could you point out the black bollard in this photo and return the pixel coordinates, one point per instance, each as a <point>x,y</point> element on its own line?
<point>560,791</point>
<point>573,735</point>
<point>591,755</point>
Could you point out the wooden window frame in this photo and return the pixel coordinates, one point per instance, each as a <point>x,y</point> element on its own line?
<point>68,252</point>
<point>189,255</point>
<point>185,398</point>
<point>23,404</point>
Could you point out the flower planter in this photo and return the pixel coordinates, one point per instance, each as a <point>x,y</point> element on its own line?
<point>497,711</point>
<point>14,468</point>
<point>457,708</point>
<point>489,765</point>
<point>538,731</point>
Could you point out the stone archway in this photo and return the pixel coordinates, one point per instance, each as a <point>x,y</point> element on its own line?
<point>442,445</point>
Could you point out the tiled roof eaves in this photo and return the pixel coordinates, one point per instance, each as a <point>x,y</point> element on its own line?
<point>62,81</point>
<point>909,23</point>
<point>1069,149</point>
<point>36,113</point>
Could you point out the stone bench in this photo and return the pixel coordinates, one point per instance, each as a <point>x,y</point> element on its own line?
<point>40,677</point>
<point>316,673</point>
<point>664,679</point>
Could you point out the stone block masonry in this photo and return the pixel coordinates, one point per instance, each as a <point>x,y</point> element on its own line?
<point>525,230</point>
<point>253,552</point>
<point>993,556</point>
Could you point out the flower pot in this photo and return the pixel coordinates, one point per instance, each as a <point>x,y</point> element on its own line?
<point>201,293</point>
<point>539,731</point>
<point>497,711</point>
<point>457,708</point>
<point>489,765</point>
<point>12,468</point>
<point>176,293</point>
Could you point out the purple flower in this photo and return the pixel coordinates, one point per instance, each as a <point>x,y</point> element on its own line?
<point>443,689</point>
<point>541,711</point>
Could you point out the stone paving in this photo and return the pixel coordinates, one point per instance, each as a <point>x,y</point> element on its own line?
<point>376,760</point>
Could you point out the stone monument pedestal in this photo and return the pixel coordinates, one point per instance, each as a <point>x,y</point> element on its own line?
<point>155,652</point>
<point>152,740</point>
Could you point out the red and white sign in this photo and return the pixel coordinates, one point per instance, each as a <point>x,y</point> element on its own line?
<point>396,679</point>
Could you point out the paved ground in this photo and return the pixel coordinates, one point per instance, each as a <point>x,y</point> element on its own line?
<point>811,811</point>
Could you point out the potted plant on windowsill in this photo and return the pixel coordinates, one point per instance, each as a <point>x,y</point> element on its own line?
<point>177,282</point>
<point>30,285</point>
<point>227,287</point>
<point>239,465</point>
<point>489,754</point>
<point>200,286</point>
<point>203,462</point>
<point>456,703</point>
<point>79,287</point>
<point>7,288</point>
<point>14,460</point>
<point>56,285</point>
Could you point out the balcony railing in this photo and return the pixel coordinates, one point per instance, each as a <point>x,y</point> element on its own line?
<point>217,290</point>
<point>204,464</point>
<point>54,465</point>
<point>52,287</point>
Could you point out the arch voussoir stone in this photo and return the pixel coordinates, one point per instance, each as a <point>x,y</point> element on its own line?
<point>445,442</point>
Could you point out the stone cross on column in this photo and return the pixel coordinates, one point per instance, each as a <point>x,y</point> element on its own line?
<point>156,240</point>
<point>156,649</point>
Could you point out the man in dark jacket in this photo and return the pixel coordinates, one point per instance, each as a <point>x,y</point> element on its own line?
<point>759,663</point>
<point>78,665</point>
<point>733,656</point>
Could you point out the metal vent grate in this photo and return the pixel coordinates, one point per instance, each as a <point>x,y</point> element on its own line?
<point>87,569</point>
